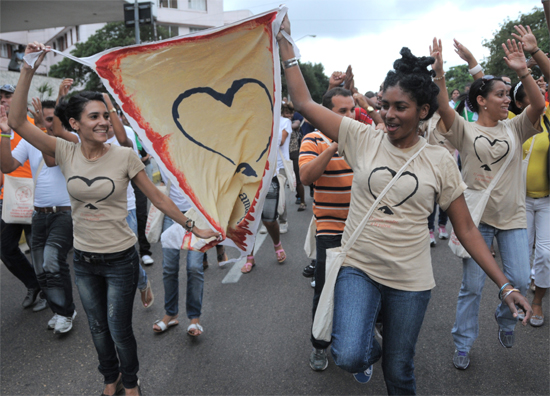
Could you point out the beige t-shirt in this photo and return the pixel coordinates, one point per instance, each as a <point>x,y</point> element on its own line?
<point>394,247</point>
<point>98,195</point>
<point>483,150</point>
<point>431,130</point>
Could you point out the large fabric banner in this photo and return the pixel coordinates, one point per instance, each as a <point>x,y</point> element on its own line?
<point>207,107</point>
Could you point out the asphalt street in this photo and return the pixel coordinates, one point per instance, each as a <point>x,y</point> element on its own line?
<point>256,337</point>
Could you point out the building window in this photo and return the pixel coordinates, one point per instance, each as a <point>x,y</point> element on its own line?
<point>196,29</point>
<point>77,31</point>
<point>4,53</point>
<point>60,44</point>
<point>199,5</point>
<point>71,35</point>
<point>168,4</point>
<point>168,31</point>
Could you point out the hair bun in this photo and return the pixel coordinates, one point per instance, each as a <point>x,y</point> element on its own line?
<point>410,64</point>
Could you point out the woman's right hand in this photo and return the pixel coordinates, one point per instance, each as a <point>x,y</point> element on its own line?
<point>436,50</point>
<point>464,53</point>
<point>205,233</point>
<point>516,298</point>
<point>35,47</point>
<point>285,26</point>
<point>526,37</point>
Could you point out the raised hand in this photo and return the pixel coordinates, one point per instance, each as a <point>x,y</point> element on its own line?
<point>436,50</point>
<point>464,52</point>
<point>64,87</point>
<point>349,82</point>
<point>35,47</point>
<point>515,58</point>
<point>336,78</point>
<point>526,37</point>
<point>285,26</point>
<point>4,127</point>
<point>37,113</point>
<point>542,84</point>
<point>362,101</point>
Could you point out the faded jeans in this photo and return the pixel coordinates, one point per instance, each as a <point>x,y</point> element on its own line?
<point>52,238</point>
<point>512,245</point>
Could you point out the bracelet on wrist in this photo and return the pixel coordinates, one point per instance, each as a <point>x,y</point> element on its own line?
<point>535,51</point>
<point>8,135</point>
<point>189,225</point>
<point>508,292</point>
<point>113,110</point>
<point>290,62</point>
<point>526,74</point>
<point>476,69</point>
<point>502,288</point>
<point>439,78</point>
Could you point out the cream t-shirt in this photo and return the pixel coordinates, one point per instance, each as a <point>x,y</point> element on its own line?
<point>98,195</point>
<point>394,247</point>
<point>483,150</point>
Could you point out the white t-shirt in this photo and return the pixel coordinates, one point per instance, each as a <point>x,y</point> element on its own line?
<point>131,196</point>
<point>176,195</point>
<point>394,247</point>
<point>285,124</point>
<point>51,187</point>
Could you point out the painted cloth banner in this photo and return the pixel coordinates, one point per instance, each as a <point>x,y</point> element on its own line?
<point>207,106</point>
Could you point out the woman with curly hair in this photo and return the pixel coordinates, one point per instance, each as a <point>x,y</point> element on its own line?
<point>388,269</point>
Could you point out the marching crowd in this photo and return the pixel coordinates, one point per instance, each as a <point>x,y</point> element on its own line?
<point>380,167</point>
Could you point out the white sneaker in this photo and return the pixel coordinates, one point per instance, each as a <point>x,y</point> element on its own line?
<point>64,324</point>
<point>263,230</point>
<point>52,322</point>
<point>442,231</point>
<point>312,283</point>
<point>283,228</point>
<point>147,260</point>
<point>432,239</point>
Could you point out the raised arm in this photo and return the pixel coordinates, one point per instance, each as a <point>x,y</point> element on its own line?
<point>7,163</point>
<point>470,237</point>
<point>446,112</point>
<point>118,126</point>
<point>466,55</point>
<point>364,102</point>
<point>311,171</point>
<point>17,118</point>
<point>515,60</point>
<point>324,119</point>
<point>529,42</point>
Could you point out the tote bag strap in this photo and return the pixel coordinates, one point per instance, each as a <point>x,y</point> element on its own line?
<point>365,220</point>
<point>38,170</point>
<point>526,159</point>
<point>508,160</point>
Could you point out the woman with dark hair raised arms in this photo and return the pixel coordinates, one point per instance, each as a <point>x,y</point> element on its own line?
<point>106,263</point>
<point>389,268</point>
<point>485,146</point>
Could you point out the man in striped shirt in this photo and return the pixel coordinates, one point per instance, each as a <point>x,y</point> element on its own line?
<point>320,164</point>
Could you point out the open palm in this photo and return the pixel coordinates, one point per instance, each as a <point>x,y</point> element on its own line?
<point>515,59</point>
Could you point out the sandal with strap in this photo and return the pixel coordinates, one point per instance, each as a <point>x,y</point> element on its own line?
<point>147,301</point>
<point>247,267</point>
<point>280,252</point>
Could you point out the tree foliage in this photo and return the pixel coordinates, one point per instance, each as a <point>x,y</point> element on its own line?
<point>457,77</point>
<point>494,64</point>
<point>111,35</point>
<point>315,78</point>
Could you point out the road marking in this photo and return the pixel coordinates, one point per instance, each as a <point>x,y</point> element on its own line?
<point>235,273</point>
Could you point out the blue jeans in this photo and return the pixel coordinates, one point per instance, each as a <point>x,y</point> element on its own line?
<point>131,219</point>
<point>12,256</point>
<point>107,285</point>
<point>170,277</point>
<point>323,242</point>
<point>442,218</point>
<point>52,238</point>
<point>514,251</point>
<point>357,301</point>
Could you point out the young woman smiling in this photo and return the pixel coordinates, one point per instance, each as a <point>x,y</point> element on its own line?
<point>389,267</point>
<point>484,147</point>
<point>105,260</point>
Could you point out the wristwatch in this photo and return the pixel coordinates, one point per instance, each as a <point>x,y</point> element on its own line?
<point>370,109</point>
<point>189,225</point>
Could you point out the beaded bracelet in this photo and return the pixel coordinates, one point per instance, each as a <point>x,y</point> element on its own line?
<point>439,78</point>
<point>502,288</point>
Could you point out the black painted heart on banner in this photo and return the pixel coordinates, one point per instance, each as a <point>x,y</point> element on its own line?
<point>403,189</point>
<point>489,152</point>
<point>227,99</point>
<point>95,190</point>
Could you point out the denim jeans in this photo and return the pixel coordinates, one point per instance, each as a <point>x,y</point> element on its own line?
<point>141,216</point>
<point>357,301</point>
<point>107,285</point>
<point>12,256</point>
<point>514,251</point>
<point>323,242</point>
<point>52,238</point>
<point>131,219</point>
<point>170,277</point>
<point>538,229</point>
<point>442,218</point>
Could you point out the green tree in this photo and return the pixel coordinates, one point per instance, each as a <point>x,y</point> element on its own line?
<point>495,64</point>
<point>111,35</point>
<point>457,77</point>
<point>316,80</point>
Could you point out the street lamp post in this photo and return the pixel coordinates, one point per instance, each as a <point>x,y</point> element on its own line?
<point>307,35</point>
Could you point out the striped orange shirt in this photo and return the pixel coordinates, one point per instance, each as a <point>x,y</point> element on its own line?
<point>25,169</point>
<point>332,192</point>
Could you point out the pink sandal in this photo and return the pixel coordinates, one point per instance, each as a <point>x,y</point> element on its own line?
<point>280,252</point>
<point>247,267</point>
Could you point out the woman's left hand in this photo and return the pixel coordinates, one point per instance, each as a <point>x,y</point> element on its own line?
<point>516,298</point>
<point>205,233</point>
<point>526,37</point>
<point>285,26</point>
<point>515,58</point>
<point>35,47</point>
<point>436,51</point>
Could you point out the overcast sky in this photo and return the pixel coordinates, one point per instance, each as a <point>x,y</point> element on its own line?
<point>369,34</point>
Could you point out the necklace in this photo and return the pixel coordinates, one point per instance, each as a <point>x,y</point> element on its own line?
<point>97,156</point>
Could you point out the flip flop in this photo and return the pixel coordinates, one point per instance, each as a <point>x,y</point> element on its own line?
<point>163,326</point>
<point>281,255</point>
<point>247,267</point>
<point>194,326</point>
<point>144,295</point>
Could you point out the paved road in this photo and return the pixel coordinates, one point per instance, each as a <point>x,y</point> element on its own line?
<point>256,339</point>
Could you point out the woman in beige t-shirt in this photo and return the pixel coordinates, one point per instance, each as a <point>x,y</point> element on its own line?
<point>105,260</point>
<point>388,269</point>
<point>484,146</point>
